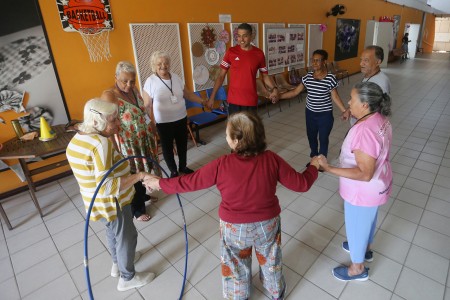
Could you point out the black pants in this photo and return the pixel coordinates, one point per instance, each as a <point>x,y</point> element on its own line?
<point>167,133</point>
<point>233,108</point>
<point>138,202</point>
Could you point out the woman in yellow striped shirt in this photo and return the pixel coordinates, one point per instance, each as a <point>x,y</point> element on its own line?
<point>91,154</point>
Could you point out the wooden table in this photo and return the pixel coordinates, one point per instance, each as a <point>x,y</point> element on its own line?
<point>22,150</point>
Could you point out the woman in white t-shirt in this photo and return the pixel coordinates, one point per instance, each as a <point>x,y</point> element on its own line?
<point>164,94</point>
<point>365,173</point>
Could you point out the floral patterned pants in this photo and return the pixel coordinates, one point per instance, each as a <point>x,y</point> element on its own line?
<point>237,241</point>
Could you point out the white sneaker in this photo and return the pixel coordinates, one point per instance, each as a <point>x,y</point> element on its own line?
<point>139,279</point>
<point>115,268</point>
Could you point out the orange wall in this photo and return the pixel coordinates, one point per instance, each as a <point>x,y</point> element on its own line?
<point>82,79</point>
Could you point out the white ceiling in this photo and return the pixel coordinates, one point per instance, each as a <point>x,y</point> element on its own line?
<point>437,7</point>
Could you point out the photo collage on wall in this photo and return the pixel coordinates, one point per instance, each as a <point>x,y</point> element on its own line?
<point>286,47</point>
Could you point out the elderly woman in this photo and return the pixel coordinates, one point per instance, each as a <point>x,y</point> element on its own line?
<point>164,94</point>
<point>136,135</point>
<point>365,174</point>
<point>249,211</point>
<point>322,88</point>
<point>91,154</point>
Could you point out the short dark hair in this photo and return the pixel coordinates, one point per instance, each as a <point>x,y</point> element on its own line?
<point>248,129</point>
<point>246,26</point>
<point>372,94</point>
<point>379,53</point>
<point>322,53</point>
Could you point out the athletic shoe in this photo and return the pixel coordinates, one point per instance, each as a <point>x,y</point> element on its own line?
<point>115,268</point>
<point>368,257</point>
<point>139,279</point>
<point>341,273</point>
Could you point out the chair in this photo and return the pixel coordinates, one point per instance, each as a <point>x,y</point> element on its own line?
<point>342,71</point>
<point>198,118</point>
<point>221,96</point>
<point>283,85</point>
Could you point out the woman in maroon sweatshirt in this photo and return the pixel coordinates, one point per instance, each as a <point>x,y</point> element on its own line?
<point>250,211</point>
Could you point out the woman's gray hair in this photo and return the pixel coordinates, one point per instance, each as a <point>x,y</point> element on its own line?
<point>126,67</point>
<point>372,94</point>
<point>96,114</point>
<point>154,58</point>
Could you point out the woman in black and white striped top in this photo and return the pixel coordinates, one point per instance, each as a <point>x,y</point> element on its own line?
<point>321,89</point>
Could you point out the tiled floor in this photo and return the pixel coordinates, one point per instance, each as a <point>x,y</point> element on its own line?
<point>42,258</point>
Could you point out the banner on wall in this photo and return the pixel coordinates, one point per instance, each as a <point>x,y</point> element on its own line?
<point>347,37</point>
<point>75,14</point>
<point>285,47</point>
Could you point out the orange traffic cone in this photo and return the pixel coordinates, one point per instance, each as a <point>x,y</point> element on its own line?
<point>47,133</point>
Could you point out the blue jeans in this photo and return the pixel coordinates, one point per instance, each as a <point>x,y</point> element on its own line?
<point>318,123</point>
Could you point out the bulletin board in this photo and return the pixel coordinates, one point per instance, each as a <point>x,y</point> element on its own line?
<point>315,39</point>
<point>269,27</point>
<point>163,37</point>
<point>207,47</point>
<point>255,34</point>
<point>301,31</point>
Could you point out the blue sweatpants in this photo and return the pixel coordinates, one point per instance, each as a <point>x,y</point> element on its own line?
<point>318,123</point>
<point>360,224</point>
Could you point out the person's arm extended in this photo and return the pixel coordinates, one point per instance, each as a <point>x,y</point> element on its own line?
<point>364,170</point>
<point>338,101</point>
<point>148,103</point>
<point>190,95</point>
<point>217,84</point>
<point>293,93</point>
<point>129,180</point>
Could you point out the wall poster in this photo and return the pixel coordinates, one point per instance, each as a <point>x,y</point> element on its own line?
<point>302,30</point>
<point>347,37</point>
<point>266,28</point>
<point>286,47</point>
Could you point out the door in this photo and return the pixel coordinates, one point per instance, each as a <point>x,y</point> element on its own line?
<point>413,30</point>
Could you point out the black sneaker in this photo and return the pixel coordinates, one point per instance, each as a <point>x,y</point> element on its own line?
<point>186,171</point>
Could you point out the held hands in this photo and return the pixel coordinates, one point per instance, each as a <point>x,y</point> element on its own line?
<point>323,162</point>
<point>315,162</point>
<point>274,96</point>
<point>152,182</point>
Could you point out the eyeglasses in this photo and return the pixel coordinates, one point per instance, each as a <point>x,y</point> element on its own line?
<point>127,82</point>
<point>95,111</point>
<point>319,60</point>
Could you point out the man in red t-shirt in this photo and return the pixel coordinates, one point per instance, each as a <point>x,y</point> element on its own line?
<point>244,60</point>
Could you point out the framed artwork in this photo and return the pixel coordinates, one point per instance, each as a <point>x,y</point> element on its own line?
<point>165,37</point>
<point>255,33</point>
<point>300,34</point>
<point>29,84</point>
<point>273,52</point>
<point>347,37</point>
<point>208,45</point>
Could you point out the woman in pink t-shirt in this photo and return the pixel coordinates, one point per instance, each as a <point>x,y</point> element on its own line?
<point>365,175</point>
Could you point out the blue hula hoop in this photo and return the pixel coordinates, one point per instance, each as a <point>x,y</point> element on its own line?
<point>88,215</point>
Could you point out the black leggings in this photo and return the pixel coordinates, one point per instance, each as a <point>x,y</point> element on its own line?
<point>167,133</point>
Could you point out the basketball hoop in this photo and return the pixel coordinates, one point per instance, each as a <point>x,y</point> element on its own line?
<point>92,20</point>
<point>97,43</point>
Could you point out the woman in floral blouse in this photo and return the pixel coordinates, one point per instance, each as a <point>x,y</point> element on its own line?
<point>136,135</point>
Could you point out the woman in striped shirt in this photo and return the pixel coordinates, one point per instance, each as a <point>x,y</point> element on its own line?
<point>91,154</point>
<point>321,89</point>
